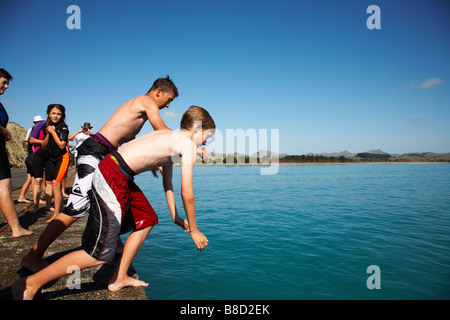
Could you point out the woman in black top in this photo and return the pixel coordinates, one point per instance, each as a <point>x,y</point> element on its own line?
<point>53,154</point>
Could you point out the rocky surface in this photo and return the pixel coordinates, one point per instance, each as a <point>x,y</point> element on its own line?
<point>16,146</point>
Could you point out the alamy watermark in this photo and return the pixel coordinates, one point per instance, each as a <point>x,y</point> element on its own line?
<point>374,280</point>
<point>74,20</point>
<point>374,20</point>
<point>239,147</point>
<point>249,147</point>
<point>74,280</point>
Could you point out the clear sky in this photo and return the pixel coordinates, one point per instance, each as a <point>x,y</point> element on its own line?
<point>311,69</point>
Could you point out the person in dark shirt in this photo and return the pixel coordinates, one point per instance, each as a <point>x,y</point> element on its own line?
<point>6,200</point>
<point>53,154</point>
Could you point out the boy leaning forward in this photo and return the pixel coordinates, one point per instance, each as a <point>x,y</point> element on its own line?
<point>118,205</point>
<point>122,126</point>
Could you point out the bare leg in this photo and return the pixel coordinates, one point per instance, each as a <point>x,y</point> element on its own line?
<point>48,194</point>
<point>63,188</point>
<point>33,260</point>
<point>120,278</point>
<point>57,194</point>
<point>36,193</point>
<point>9,211</point>
<point>26,288</point>
<point>24,189</point>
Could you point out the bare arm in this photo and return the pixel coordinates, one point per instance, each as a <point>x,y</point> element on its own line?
<point>168,189</point>
<point>152,111</point>
<point>35,141</point>
<point>59,143</point>
<point>44,142</point>
<point>187,194</point>
<point>73,135</point>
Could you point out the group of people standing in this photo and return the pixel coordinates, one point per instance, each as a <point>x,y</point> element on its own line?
<point>104,185</point>
<point>48,159</point>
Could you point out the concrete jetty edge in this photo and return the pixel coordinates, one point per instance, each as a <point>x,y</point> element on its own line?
<point>94,280</point>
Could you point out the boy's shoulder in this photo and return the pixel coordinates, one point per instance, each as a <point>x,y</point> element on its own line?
<point>139,104</point>
<point>143,99</point>
<point>169,137</point>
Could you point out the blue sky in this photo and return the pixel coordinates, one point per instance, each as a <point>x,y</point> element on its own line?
<point>311,69</point>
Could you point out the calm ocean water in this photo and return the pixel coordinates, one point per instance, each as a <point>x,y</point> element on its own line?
<point>308,232</point>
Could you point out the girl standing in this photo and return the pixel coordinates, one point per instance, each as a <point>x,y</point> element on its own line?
<point>53,155</point>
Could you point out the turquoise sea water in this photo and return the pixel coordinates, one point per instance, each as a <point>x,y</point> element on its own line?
<point>308,232</point>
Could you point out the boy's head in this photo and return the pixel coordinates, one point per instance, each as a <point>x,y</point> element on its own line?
<point>163,91</point>
<point>199,120</point>
<point>165,84</point>
<point>5,78</point>
<point>5,74</point>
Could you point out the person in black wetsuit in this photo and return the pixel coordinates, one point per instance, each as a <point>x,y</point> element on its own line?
<point>53,154</point>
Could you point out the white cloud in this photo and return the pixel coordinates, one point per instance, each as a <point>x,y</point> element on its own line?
<point>430,83</point>
<point>417,119</point>
<point>10,102</point>
<point>427,84</point>
<point>172,115</point>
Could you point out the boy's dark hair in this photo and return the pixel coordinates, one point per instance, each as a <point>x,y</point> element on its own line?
<point>197,114</point>
<point>5,74</point>
<point>165,84</point>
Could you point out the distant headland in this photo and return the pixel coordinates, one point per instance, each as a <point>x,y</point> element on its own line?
<point>267,157</point>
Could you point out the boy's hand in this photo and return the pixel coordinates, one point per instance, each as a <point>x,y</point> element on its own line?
<point>182,223</point>
<point>199,239</point>
<point>203,153</point>
<point>157,170</point>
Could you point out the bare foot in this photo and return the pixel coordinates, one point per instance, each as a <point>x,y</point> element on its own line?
<point>20,291</point>
<point>33,264</point>
<point>23,200</point>
<point>20,232</point>
<point>126,282</point>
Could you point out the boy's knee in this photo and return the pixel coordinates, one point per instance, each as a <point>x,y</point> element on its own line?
<point>5,191</point>
<point>5,187</point>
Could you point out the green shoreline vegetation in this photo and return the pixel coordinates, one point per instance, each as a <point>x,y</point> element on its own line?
<point>367,157</point>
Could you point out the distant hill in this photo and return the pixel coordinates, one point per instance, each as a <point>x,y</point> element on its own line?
<point>269,154</point>
<point>265,156</point>
<point>344,153</point>
<point>372,155</point>
<point>425,156</point>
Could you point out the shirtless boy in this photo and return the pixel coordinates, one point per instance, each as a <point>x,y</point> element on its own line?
<point>121,127</point>
<point>117,200</point>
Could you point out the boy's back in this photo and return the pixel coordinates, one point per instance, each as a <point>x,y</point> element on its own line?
<point>158,149</point>
<point>129,118</point>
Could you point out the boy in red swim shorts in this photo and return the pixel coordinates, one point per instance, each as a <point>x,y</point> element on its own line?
<point>118,205</point>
